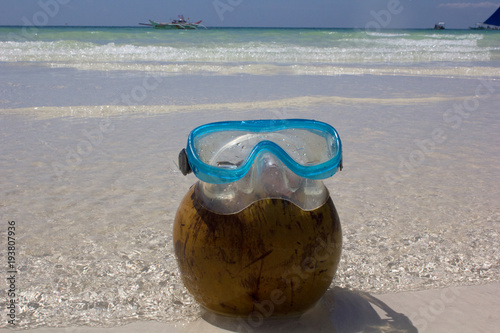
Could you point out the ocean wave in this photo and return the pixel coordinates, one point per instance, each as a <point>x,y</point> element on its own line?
<point>282,49</point>
<point>386,34</point>
<point>220,69</point>
<point>455,37</point>
<point>345,51</point>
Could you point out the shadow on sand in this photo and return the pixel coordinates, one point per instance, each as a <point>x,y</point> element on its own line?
<point>340,311</point>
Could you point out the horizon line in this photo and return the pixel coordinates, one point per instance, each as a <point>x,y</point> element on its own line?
<point>216,27</point>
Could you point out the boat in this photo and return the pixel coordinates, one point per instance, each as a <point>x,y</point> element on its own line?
<point>439,26</point>
<point>492,23</point>
<point>180,23</point>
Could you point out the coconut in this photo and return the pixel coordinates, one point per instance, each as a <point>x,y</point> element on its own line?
<point>272,256</point>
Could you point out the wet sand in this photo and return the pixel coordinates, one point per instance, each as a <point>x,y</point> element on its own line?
<point>93,190</point>
<point>464,309</point>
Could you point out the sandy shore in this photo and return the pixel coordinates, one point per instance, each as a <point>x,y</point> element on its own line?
<point>455,309</point>
<point>94,190</point>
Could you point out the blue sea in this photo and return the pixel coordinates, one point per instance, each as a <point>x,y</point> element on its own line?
<point>92,120</point>
<point>244,50</point>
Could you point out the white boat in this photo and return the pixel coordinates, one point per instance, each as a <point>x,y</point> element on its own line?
<point>180,23</point>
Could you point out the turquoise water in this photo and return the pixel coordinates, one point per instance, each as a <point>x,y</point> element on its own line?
<point>226,48</point>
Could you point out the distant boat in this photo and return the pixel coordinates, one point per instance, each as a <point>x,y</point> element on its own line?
<point>439,26</point>
<point>181,24</point>
<point>492,23</point>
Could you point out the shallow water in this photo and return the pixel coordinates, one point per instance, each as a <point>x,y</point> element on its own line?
<point>89,175</point>
<point>94,200</point>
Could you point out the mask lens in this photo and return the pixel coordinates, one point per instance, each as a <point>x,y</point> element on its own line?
<point>224,152</point>
<point>231,149</point>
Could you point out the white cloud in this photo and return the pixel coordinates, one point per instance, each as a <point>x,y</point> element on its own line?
<point>461,5</point>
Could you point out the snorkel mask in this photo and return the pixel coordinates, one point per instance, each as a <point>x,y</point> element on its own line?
<point>240,162</point>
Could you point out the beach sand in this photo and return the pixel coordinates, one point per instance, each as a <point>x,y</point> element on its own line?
<point>456,309</point>
<point>93,189</point>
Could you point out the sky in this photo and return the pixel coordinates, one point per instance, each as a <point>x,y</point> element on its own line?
<point>372,14</point>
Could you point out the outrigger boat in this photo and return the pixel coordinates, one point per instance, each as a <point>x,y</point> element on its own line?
<point>181,23</point>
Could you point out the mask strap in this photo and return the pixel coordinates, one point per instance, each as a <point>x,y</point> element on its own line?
<point>184,163</point>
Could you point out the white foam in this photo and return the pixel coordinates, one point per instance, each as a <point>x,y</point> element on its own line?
<point>385,48</point>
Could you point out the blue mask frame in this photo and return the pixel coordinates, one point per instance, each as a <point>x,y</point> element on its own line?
<point>190,161</point>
